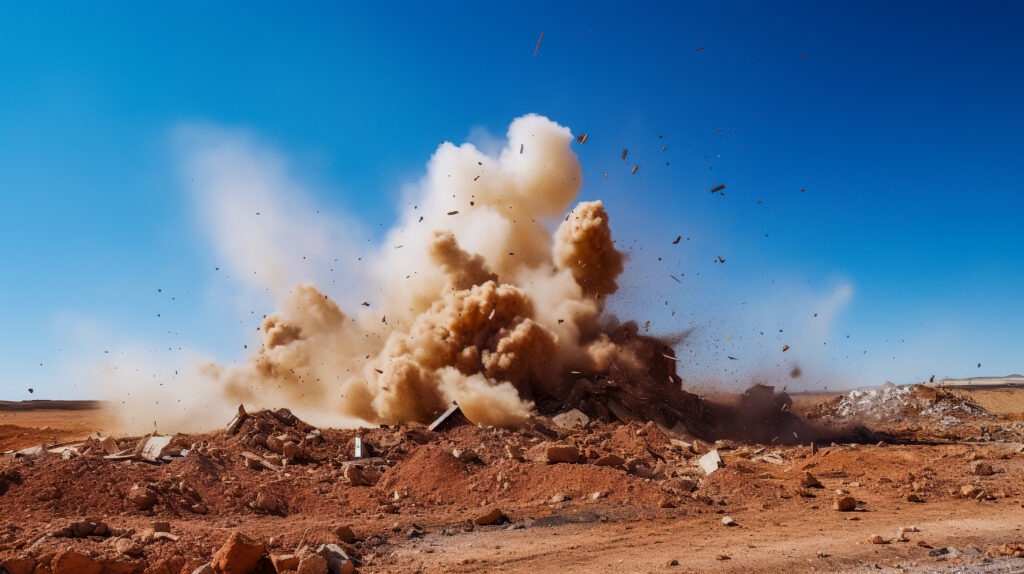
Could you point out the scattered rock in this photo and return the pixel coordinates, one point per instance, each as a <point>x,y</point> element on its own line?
<point>312,564</point>
<point>573,419</point>
<point>514,452</point>
<point>355,476</point>
<point>562,453</point>
<point>879,539</point>
<point>680,485</point>
<point>268,503</point>
<point>239,555</point>
<point>845,503</point>
<point>344,534</point>
<point>284,562</point>
<point>71,562</point>
<point>982,468</point>
<point>492,516</point>
<point>142,497</point>
<point>971,491</point>
<point>128,547</point>
<point>808,480</point>
<point>613,460</point>
<point>338,562</point>
<point>465,454</point>
<point>728,521</point>
<point>914,497</point>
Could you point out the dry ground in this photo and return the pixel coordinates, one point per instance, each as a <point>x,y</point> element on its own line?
<point>637,523</point>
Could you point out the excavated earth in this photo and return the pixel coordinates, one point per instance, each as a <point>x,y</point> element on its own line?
<point>937,489</point>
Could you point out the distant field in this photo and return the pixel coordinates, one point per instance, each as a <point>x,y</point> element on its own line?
<point>999,401</point>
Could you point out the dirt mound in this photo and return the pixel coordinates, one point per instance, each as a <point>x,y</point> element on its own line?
<point>430,472</point>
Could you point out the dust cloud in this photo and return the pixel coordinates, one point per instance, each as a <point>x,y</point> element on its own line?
<point>489,292</point>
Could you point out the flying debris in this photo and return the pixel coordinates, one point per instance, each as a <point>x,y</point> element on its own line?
<point>717,188</point>
<point>582,138</point>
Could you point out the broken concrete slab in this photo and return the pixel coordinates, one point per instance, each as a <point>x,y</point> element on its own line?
<point>109,445</point>
<point>152,448</point>
<point>450,418</point>
<point>237,421</point>
<point>710,462</point>
<point>31,452</point>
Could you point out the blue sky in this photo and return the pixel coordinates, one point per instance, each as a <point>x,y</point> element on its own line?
<point>882,140</point>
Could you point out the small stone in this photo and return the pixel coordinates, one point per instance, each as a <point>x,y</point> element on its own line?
<point>355,476</point>
<point>613,460</point>
<point>266,502</point>
<point>845,503</point>
<point>81,529</point>
<point>680,484</point>
<point>312,564</point>
<point>344,534</point>
<point>338,561</point>
<point>465,454</point>
<point>284,562</point>
<point>239,555</point>
<point>514,452</point>
<point>722,557</point>
<point>128,547</point>
<point>878,539</point>
<point>492,516</point>
<point>914,497</point>
<point>971,491</point>
<point>292,451</point>
<point>71,562</point>
<point>982,468</point>
<point>275,445</point>
<point>562,453</point>
<point>573,419</point>
<point>808,480</point>
<point>728,521</point>
<point>143,498</point>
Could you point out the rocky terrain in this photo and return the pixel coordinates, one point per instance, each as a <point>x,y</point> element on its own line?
<point>934,489</point>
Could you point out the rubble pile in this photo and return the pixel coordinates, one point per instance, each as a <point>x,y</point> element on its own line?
<point>272,493</point>
<point>118,502</point>
<point>899,403</point>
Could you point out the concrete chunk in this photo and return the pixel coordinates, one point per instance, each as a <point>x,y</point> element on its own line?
<point>338,562</point>
<point>573,419</point>
<point>237,421</point>
<point>710,462</point>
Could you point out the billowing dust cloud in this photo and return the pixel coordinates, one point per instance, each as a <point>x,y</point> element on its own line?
<point>477,300</point>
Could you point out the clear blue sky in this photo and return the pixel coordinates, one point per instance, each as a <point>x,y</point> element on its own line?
<point>902,121</point>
